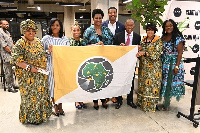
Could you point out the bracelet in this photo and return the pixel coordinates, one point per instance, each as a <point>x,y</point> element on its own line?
<point>28,68</point>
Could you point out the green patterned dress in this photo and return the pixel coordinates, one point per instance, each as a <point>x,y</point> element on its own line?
<point>74,42</point>
<point>150,75</point>
<point>35,104</point>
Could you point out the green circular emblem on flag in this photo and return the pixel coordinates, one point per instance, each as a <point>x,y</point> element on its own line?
<point>95,74</point>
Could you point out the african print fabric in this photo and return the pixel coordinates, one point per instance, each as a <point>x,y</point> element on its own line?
<point>74,42</point>
<point>149,75</point>
<point>35,104</point>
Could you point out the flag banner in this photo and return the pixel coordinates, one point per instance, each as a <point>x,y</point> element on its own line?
<point>88,73</point>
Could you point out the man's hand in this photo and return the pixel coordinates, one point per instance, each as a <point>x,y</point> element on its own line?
<point>122,44</point>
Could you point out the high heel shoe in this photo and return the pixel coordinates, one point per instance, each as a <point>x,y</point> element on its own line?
<point>105,106</point>
<point>96,107</point>
<point>78,106</point>
<point>157,108</point>
<point>62,113</point>
<point>56,110</point>
<point>84,106</point>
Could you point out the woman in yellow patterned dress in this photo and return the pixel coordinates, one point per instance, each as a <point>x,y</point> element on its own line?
<point>29,57</point>
<point>150,70</point>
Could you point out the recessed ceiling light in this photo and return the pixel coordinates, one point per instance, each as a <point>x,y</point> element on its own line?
<point>38,8</point>
<point>7,1</point>
<point>82,9</point>
<point>31,7</point>
<point>71,4</point>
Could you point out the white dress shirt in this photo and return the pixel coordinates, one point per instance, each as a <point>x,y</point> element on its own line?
<point>112,27</point>
<point>131,37</point>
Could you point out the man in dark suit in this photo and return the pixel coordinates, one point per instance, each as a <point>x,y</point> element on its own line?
<point>127,38</point>
<point>112,24</point>
<point>115,27</point>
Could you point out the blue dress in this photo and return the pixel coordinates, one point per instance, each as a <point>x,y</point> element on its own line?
<point>91,37</point>
<point>172,86</point>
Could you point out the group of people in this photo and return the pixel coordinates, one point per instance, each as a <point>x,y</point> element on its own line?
<point>160,68</point>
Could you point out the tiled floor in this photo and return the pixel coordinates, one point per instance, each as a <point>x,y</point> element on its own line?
<point>123,120</point>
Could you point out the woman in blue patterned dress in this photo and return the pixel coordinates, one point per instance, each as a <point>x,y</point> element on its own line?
<point>172,71</point>
<point>98,35</point>
<point>54,37</point>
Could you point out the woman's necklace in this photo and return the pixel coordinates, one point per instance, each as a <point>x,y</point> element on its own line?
<point>150,40</point>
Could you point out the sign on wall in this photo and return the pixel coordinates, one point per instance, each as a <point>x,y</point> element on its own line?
<point>179,11</point>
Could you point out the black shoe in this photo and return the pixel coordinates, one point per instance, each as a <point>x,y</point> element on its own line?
<point>78,106</point>
<point>157,108</point>
<point>56,114</point>
<point>132,105</point>
<point>118,105</point>
<point>12,90</point>
<point>15,87</point>
<point>105,106</point>
<point>96,107</point>
<point>62,113</point>
<point>56,110</point>
<point>84,106</point>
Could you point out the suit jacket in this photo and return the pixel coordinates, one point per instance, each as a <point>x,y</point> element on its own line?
<point>120,38</point>
<point>119,26</point>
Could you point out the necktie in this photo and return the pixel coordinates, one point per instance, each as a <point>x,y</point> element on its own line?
<point>128,40</point>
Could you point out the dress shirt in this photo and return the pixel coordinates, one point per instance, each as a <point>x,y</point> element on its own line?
<point>131,37</point>
<point>112,27</point>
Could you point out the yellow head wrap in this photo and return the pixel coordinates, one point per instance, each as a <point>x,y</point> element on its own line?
<point>28,24</point>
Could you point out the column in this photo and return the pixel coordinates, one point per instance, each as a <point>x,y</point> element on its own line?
<point>69,18</point>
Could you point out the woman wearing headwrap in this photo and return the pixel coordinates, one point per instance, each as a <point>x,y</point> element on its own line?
<point>29,57</point>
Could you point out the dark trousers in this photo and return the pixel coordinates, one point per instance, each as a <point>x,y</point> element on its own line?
<point>102,100</point>
<point>130,95</point>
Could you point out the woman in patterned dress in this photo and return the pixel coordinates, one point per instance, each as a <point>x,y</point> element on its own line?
<point>29,57</point>
<point>150,70</point>
<point>54,37</point>
<point>98,35</point>
<point>76,41</point>
<point>173,71</point>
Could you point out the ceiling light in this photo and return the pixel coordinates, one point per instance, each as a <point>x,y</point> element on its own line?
<point>38,8</point>
<point>82,9</point>
<point>127,1</point>
<point>7,1</point>
<point>71,4</point>
<point>8,8</point>
<point>30,6</point>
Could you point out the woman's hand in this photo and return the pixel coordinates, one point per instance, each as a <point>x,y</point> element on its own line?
<point>139,47</point>
<point>175,70</point>
<point>140,53</point>
<point>100,43</point>
<point>50,48</point>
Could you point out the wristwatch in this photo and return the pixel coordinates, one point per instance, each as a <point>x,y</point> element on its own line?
<point>176,67</point>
